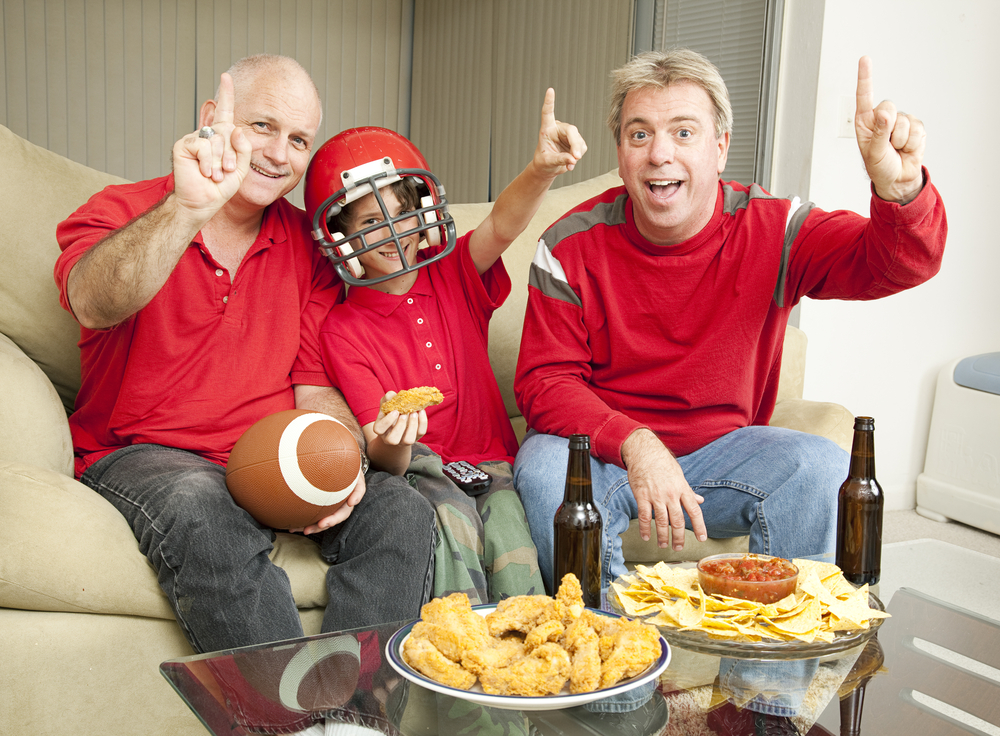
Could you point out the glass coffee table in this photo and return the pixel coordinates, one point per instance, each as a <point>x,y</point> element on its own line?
<point>932,669</point>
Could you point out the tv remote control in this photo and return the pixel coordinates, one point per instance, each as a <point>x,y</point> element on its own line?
<point>468,477</point>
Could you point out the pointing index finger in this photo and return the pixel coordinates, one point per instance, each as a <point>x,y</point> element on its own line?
<point>865,96</point>
<point>226,102</point>
<point>549,108</point>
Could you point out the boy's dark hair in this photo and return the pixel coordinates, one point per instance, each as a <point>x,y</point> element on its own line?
<point>405,191</point>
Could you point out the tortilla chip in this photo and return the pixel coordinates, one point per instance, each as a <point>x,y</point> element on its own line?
<point>803,621</point>
<point>636,602</point>
<point>813,586</point>
<point>838,586</point>
<point>823,570</point>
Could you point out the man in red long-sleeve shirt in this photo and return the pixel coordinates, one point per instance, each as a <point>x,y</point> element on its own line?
<point>657,310</point>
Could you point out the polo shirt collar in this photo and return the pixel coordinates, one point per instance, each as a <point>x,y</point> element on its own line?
<point>273,228</point>
<point>385,304</point>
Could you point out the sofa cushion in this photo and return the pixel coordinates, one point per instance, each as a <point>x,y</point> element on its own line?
<point>34,430</point>
<point>649,552</point>
<point>39,189</point>
<point>67,549</point>
<point>505,326</point>
<point>822,418</point>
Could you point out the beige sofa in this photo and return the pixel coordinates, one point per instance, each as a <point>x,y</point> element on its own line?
<point>83,624</point>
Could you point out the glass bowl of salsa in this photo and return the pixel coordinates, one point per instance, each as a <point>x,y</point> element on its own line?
<point>759,578</point>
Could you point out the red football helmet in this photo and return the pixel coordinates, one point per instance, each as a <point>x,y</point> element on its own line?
<point>358,162</point>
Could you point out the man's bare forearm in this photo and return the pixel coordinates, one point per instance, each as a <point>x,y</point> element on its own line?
<point>124,271</point>
<point>328,400</point>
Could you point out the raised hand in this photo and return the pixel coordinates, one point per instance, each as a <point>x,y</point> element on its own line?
<point>209,171</point>
<point>560,145</point>
<point>891,143</point>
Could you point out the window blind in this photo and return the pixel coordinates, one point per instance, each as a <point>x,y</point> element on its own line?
<point>731,33</point>
<point>480,70</point>
<point>112,84</point>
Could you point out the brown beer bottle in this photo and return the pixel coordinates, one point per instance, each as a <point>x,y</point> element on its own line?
<point>859,511</point>
<point>578,526</point>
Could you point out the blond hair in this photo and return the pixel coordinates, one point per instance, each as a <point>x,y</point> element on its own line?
<point>660,69</point>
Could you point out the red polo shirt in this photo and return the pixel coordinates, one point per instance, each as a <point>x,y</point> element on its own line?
<point>207,357</point>
<point>434,335</point>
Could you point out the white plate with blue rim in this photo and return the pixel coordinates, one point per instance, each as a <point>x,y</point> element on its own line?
<point>394,652</point>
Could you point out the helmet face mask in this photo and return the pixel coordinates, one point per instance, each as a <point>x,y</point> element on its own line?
<point>363,161</point>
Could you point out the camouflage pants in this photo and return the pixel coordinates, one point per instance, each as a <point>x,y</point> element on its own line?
<point>484,547</point>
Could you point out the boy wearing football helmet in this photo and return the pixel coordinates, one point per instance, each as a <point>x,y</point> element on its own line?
<point>419,316</point>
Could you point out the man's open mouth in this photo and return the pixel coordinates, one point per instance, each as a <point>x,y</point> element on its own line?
<point>663,187</point>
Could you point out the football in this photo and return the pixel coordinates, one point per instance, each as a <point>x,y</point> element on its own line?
<point>293,468</point>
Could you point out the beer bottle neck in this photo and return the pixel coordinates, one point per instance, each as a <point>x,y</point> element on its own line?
<point>863,454</point>
<point>578,486</point>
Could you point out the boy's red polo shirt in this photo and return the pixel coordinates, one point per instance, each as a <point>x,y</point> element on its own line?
<point>436,334</point>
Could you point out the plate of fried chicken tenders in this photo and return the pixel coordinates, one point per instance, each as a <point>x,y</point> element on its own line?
<point>529,652</point>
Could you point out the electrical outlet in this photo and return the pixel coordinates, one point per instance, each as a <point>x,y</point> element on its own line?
<point>845,121</point>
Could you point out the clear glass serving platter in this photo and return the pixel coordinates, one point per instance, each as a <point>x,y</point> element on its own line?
<point>701,642</point>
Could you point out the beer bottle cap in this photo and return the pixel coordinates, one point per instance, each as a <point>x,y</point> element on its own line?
<point>579,442</point>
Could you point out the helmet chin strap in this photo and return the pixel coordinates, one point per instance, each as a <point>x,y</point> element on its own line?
<point>432,235</point>
<point>353,264</point>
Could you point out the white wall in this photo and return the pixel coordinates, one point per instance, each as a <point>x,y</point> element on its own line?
<point>941,62</point>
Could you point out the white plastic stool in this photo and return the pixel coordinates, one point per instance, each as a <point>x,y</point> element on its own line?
<point>961,478</point>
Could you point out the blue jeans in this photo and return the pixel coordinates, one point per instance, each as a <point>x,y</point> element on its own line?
<point>211,556</point>
<point>777,485</point>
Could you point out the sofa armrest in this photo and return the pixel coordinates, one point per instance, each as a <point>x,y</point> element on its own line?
<point>34,429</point>
<point>65,548</point>
<point>822,418</point>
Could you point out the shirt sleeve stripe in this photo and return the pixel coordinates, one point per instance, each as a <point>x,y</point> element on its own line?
<point>797,213</point>
<point>547,275</point>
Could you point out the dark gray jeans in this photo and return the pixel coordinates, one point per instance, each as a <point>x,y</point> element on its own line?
<point>211,556</point>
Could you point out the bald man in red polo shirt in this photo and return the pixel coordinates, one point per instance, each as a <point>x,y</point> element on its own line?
<point>200,298</point>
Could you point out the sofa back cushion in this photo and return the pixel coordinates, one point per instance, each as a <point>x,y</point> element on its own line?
<point>39,189</point>
<point>505,327</point>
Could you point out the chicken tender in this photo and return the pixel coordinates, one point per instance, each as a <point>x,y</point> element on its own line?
<point>522,613</point>
<point>499,653</point>
<point>452,626</point>
<point>411,400</point>
<point>549,631</point>
<point>582,643</point>
<point>425,658</point>
<point>570,597</point>
<point>627,648</point>
<point>585,666</point>
<point>543,672</point>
